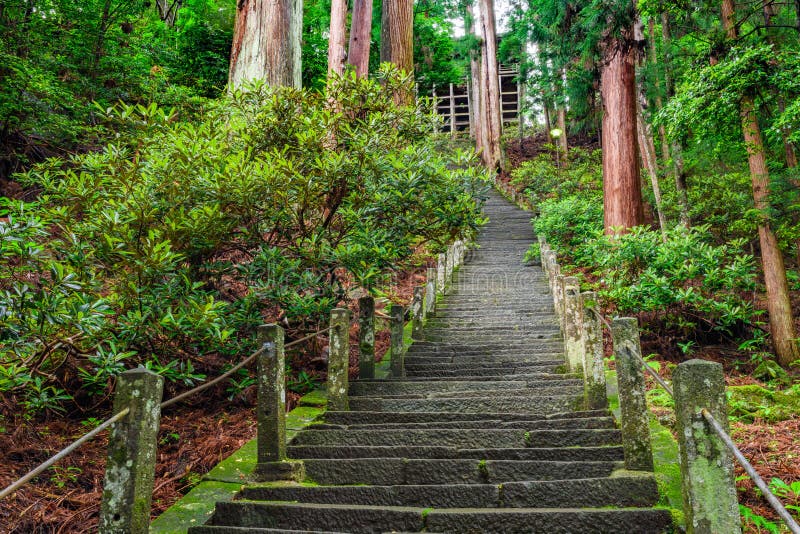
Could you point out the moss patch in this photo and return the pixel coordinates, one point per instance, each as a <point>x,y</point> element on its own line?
<point>195,508</point>
<point>751,402</point>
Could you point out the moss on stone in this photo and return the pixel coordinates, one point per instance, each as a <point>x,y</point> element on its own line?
<point>194,508</point>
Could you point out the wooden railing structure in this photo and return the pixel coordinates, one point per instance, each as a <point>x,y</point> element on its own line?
<point>133,438</point>
<point>454,102</point>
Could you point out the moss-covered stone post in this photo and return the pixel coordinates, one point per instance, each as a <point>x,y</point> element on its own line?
<point>558,299</point>
<point>573,324</point>
<point>396,324</point>
<point>430,292</point>
<point>593,364</point>
<point>441,273</point>
<point>709,490</point>
<point>271,409</point>
<point>451,263</point>
<point>632,401</point>
<point>366,338</point>
<point>339,361</point>
<point>131,465</point>
<point>417,310</point>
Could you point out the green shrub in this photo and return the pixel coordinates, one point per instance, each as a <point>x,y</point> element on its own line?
<point>174,242</point>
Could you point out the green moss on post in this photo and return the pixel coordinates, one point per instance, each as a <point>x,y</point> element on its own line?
<point>558,299</point>
<point>366,338</point>
<point>131,465</point>
<point>271,409</point>
<point>430,292</point>
<point>441,273</point>
<point>339,360</point>
<point>594,367</point>
<point>417,312</point>
<point>573,325</point>
<point>633,403</point>
<point>396,321</point>
<point>709,490</point>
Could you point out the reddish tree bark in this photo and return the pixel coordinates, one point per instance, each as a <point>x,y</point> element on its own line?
<point>337,40</point>
<point>622,188</point>
<point>266,42</point>
<point>491,85</point>
<point>360,34</point>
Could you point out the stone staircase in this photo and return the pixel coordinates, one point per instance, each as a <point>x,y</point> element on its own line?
<point>484,434</point>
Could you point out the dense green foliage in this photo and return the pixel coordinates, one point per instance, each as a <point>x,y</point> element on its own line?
<point>177,239</point>
<point>687,278</point>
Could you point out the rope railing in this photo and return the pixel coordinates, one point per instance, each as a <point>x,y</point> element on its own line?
<point>16,485</point>
<point>773,500</point>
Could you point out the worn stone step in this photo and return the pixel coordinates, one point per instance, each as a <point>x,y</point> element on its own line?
<point>550,521</point>
<point>549,424</point>
<point>555,454</point>
<point>347,518</point>
<point>480,393</point>
<point>626,490</point>
<point>365,417</point>
<point>463,438</point>
<point>394,387</point>
<point>370,519</point>
<point>531,404</point>
<point>402,471</point>
<point>544,360</point>
<point>209,529</point>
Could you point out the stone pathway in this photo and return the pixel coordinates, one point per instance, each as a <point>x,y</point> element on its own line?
<point>483,435</point>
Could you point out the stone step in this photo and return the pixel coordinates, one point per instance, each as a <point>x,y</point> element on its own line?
<point>403,471</point>
<point>530,404</point>
<point>547,424</point>
<point>629,490</point>
<point>370,519</point>
<point>367,417</point>
<point>394,387</point>
<point>543,361</point>
<point>555,454</point>
<point>468,394</point>
<point>463,438</point>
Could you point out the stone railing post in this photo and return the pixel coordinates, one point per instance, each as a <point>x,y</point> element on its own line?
<point>131,464</point>
<point>441,273</point>
<point>271,410</point>
<point>430,292</point>
<point>417,311</point>
<point>632,401</point>
<point>593,365</point>
<point>558,299</point>
<point>366,338</point>
<point>396,320</point>
<point>573,325</point>
<point>339,360</point>
<point>451,263</point>
<point>707,473</point>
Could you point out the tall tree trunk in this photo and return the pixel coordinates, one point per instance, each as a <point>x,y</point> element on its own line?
<point>622,190</point>
<point>397,39</point>
<point>397,34</point>
<point>473,80</point>
<point>337,40</point>
<point>563,141</point>
<point>488,154</point>
<point>778,303</point>
<point>678,170</point>
<point>492,82</point>
<point>653,58</point>
<point>648,155</point>
<point>360,37</point>
<point>266,43</point>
